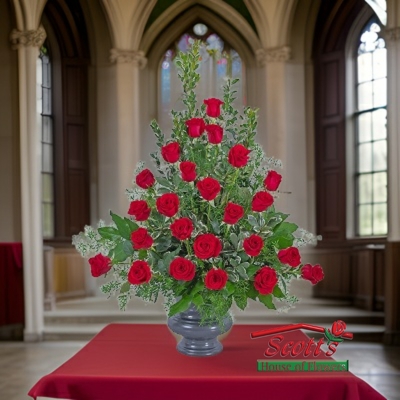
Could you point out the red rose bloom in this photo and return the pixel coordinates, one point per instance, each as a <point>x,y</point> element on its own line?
<point>290,256</point>
<point>265,280</point>
<point>213,107</point>
<point>238,156</point>
<point>314,274</point>
<point>171,152</point>
<point>216,279</point>
<point>182,269</point>
<point>214,133</point>
<point>99,265</point>
<point>209,188</point>
<point>253,245</point>
<point>261,201</point>
<point>168,204</point>
<point>182,228</point>
<point>195,127</point>
<point>145,179</point>
<point>188,170</point>
<point>140,210</point>
<point>139,273</point>
<point>141,239</point>
<point>207,246</point>
<point>233,212</point>
<point>272,180</point>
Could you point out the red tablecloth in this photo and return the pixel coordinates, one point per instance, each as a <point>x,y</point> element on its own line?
<point>138,362</point>
<point>11,284</point>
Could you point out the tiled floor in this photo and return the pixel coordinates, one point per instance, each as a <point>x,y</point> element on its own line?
<point>22,364</point>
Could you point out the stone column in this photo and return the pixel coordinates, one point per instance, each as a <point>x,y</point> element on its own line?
<point>392,271</point>
<point>27,43</point>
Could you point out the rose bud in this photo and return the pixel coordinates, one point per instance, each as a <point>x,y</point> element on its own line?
<point>215,279</point>
<point>145,179</point>
<point>209,188</point>
<point>314,274</point>
<point>213,107</point>
<point>238,156</point>
<point>182,228</point>
<point>195,127</point>
<point>207,246</point>
<point>188,170</point>
<point>289,256</point>
<point>214,133</point>
<point>140,210</point>
<point>168,204</point>
<point>272,181</point>
<point>139,273</point>
<point>253,245</point>
<point>99,265</point>
<point>265,280</point>
<point>261,201</point>
<point>233,212</point>
<point>182,269</point>
<point>141,239</point>
<point>171,152</point>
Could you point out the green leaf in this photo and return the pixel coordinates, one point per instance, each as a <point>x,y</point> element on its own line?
<point>125,287</point>
<point>267,301</point>
<point>119,254</point>
<point>252,220</point>
<point>230,287</point>
<point>242,271</point>
<point>198,299</point>
<point>133,226</point>
<point>244,265</point>
<point>216,227</point>
<point>234,240</point>
<point>127,246</point>
<point>241,301</point>
<point>252,270</point>
<point>286,227</point>
<point>252,292</point>
<point>161,266</point>
<point>198,287</point>
<point>108,232</point>
<point>182,305</point>
<point>122,226</point>
<point>164,182</point>
<point>142,254</point>
<point>277,292</point>
<point>243,256</point>
<point>163,244</point>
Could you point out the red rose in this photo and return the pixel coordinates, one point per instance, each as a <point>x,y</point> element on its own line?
<point>214,133</point>
<point>182,269</point>
<point>207,246</point>
<point>253,245</point>
<point>171,152</point>
<point>139,273</point>
<point>168,204</point>
<point>208,188</point>
<point>141,239</point>
<point>216,279</point>
<point>140,210</point>
<point>261,201</point>
<point>238,156</point>
<point>99,265</point>
<point>290,256</point>
<point>272,181</point>
<point>314,274</point>
<point>182,228</point>
<point>265,280</point>
<point>188,170</point>
<point>233,212</point>
<point>213,107</point>
<point>338,328</point>
<point>145,179</point>
<point>195,127</point>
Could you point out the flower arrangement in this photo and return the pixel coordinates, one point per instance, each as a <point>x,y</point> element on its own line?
<point>204,230</point>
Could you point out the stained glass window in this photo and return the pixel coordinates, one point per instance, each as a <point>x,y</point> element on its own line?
<point>218,62</point>
<point>371,137</point>
<point>45,130</point>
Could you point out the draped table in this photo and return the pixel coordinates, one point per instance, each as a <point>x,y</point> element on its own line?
<point>140,362</point>
<point>11,285</point>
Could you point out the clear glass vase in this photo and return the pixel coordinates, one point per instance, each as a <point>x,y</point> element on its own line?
<point>198,340</point>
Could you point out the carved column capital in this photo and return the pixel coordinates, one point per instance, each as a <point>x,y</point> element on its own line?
<point>392,34</point>
<point>32,38</point>
<point>137,58</point>
<point>274,54</point>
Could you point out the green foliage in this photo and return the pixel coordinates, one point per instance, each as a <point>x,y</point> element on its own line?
<point>238,185</point>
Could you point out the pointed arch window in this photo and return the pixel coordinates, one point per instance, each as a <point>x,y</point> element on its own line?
<point>371,134</point>
<point>218,62</point>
